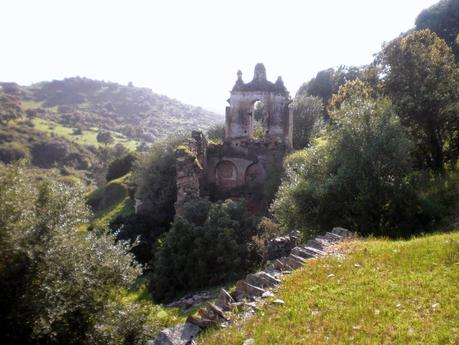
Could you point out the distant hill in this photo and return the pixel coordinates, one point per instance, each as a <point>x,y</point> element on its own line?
<point>137,113</point>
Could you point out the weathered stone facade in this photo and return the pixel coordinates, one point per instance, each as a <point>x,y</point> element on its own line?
<point>258,134</point>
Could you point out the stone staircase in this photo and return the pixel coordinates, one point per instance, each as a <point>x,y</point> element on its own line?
<point>250,292</point>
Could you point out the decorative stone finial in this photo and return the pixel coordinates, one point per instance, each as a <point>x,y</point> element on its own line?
<point>239,75</point>
<point>260,72</point>
<point>279,81</point>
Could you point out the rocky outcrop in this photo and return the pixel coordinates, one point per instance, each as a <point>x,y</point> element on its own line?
<point>250,292</point>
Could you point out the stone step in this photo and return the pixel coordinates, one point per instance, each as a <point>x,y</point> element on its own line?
<point>298,251</point>
<point>324,240</point>
<point>262,279</point>
<point>245,289</point>
<point>315,244</point>
<point>315,251</point>
<point>333,237</point>
<point>281,265</point>
<point>224,300</point>
<point>295,261</point>
<point>342,232</point>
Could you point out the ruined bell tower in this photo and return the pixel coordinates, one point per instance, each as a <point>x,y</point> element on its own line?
<point>258,110</point>
<point>258,134</point>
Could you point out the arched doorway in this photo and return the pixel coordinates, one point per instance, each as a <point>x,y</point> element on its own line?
<point>226,174</point>
<point>254,175</point>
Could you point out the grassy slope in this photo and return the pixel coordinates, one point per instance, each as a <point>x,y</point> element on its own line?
<point>384,292</point>
<point>88,137</point>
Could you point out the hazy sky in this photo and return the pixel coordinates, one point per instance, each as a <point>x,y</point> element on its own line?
<point>192,49</point>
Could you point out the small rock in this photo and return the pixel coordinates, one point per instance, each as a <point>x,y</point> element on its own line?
<point>267,294</point>
<point>178,335</point>
<point>249,341</point>
<point>435,305</point>
<point>278,301</point>
<point>331,275</point>
<point>357,265</point>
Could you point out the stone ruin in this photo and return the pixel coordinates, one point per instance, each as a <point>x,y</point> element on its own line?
<point>258,134</point>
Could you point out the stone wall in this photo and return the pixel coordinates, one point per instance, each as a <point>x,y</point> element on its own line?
<point>191,164</point>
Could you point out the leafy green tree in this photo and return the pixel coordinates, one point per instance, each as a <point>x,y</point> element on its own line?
<point>209,244</point>
<point>443,19</point>
<point>423,82</point>
<point>105,137</point>
<point>154,177</point>
<point>353,175</point>
<point>121,166</point>
<point>58,281</point>
<point>156,180</point>
<point>10,107</point>
<point>307,119</point>
<point>327,82</point>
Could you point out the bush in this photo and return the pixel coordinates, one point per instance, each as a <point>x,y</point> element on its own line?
<point>208,245</point>
<point>120,166</point>
<point>355,175</point>
<point>57,280</point>
<point>11,152</point>
<point>47,154</point>
<point>110,195</point>
<point>155,177</point>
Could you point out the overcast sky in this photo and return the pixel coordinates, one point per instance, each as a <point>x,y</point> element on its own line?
<point>191,49</point>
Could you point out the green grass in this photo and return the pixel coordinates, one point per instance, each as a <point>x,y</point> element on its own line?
<point>384,292</point>
<point>30,104</point>
<point>88,137</point>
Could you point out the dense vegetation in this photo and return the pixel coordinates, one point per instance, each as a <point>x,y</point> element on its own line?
<point>384,292</point>
<point>209,245</point>
<point>60,283</point>
<point>388,150</point>
<point>376,150</point>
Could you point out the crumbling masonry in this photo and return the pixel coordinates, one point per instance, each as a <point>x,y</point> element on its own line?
<point>258,134</point>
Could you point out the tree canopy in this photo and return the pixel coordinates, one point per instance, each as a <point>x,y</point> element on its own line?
<point>423,82</point>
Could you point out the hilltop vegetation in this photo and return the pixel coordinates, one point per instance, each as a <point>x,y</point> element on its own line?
<point>74,124</point>
<point>137,113</point>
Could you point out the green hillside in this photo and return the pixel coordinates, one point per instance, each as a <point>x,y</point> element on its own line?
<point>137,113</point>
<point>382,292</point>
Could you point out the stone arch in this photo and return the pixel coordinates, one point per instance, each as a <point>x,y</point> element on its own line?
<point>226,174</point>
<point>254,175</point>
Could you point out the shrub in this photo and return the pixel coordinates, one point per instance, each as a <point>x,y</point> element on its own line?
<point>120,166</point>
<point>208,245</point>
<point>47,154</point>
<point>155,177</point>
<point>11,152</point>
<point>355,175</point>
<point>57,281</point>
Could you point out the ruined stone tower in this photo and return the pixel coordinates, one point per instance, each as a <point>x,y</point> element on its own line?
<point>259,109</point>
<point>258,134</point>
